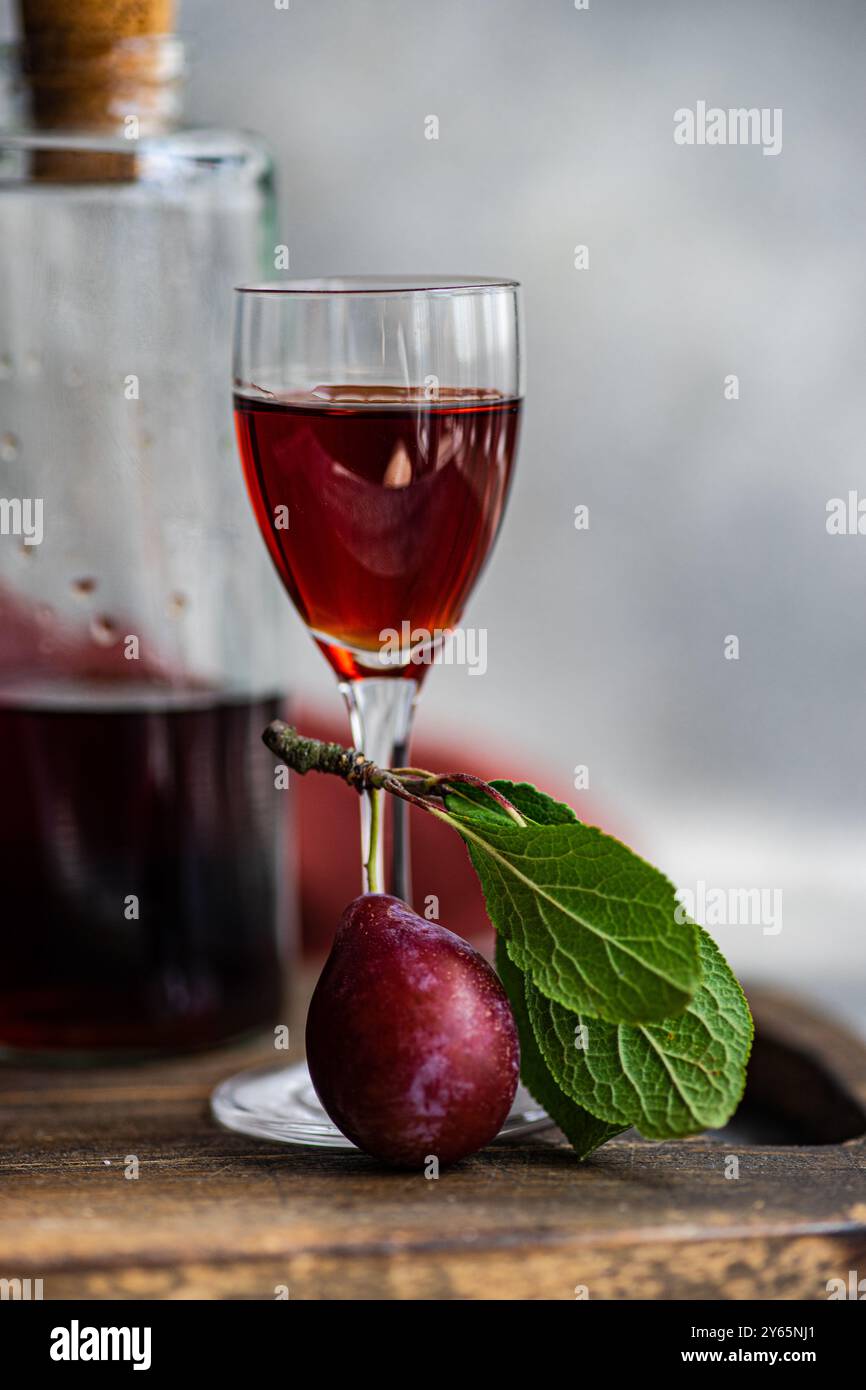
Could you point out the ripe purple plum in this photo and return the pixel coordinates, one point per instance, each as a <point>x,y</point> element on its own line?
<point>411,1042</point>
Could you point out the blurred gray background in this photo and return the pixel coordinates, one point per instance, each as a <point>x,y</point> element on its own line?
<point>708,516</point>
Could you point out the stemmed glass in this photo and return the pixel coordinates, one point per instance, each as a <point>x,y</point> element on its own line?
<point>377,423</point>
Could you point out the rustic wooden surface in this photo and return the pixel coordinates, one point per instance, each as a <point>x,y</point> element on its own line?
<point>215,1215</point>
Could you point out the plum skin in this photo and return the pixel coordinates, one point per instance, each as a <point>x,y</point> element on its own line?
<point>411,1042</point>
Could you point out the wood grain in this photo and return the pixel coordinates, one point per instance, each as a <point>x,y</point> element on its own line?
<point>215,1215</point>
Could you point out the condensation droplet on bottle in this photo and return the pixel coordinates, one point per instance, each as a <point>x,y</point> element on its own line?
<point>5,366</point>
<point>103,630</point>
<point>83,586</point>
<point>9,447</point>
<point>177,604</point>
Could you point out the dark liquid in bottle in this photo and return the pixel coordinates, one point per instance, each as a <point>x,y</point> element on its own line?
<point>140,849</point>
<point>390,505</point>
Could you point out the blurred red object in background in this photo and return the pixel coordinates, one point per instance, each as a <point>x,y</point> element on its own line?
<point>328,837</point>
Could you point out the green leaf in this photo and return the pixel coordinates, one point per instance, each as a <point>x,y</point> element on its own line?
<point>591,924</point>
<point>669,1079</point>
<point>534,805</point>
<point>583,1131</point>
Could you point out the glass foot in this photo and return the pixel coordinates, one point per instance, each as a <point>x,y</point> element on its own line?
<point>279,1103</point>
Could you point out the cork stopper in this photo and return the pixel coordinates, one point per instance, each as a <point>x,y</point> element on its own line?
<point>88,63</point>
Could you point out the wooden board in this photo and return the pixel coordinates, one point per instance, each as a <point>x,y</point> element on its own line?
<point>214,1215</point>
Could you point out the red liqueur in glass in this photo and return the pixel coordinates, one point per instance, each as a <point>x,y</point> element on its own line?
<point>379,507</point>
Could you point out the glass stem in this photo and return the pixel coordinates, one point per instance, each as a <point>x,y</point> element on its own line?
<point>380,713</point>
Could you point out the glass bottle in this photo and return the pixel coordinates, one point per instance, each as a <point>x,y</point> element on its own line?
<point>141,829</point>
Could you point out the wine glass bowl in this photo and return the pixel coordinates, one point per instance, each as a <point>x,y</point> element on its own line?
<point>377,422</point>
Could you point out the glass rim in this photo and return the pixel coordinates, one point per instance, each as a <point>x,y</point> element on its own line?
<point>375,286</point>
